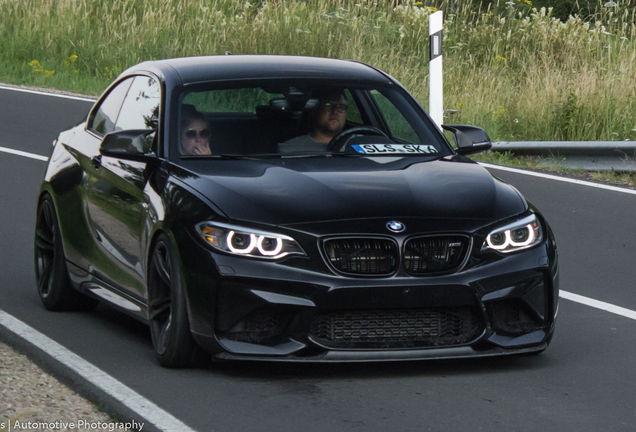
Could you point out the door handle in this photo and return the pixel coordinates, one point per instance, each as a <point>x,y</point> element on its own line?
<point>97,161</point>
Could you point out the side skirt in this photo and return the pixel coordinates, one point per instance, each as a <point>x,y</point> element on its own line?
<point>90,285</point>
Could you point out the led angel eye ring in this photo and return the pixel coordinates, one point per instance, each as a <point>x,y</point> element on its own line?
<point>510,242</point>
<point>246,250</point>
<point>276,251</point>
<point>502,246</point>
<point>530,239</point>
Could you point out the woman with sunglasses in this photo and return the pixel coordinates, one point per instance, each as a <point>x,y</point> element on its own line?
<point>195,133</point>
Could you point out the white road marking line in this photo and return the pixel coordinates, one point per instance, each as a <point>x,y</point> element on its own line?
<point>25,154</point>
<point>63,96</point>
<point>557,178</point>
<point>133,400</point>
<point>627,313</point>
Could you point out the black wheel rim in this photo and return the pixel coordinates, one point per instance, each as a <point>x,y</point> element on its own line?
<point>160,307</point>
<point>45,237</point>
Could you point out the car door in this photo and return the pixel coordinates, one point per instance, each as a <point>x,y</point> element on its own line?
<point>115,191</point>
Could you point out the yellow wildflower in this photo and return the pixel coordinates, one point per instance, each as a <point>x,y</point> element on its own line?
<point>37,67</point>
<point>500,112</point>
<point>48,73</point>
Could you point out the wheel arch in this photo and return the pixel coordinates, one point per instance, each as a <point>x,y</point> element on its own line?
<point>47,190</point>
<point>154,237</point>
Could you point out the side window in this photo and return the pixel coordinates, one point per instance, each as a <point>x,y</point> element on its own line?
<point>105,118</point>
<point>141,107</point>
<point>399,127</point>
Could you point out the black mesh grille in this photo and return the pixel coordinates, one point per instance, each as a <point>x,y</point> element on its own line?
<point>262,321</point>
<point>258,327</point>
<point>363,256</point>
<point>435,254</point>
<point>376,329</point>
<point>509,318</point>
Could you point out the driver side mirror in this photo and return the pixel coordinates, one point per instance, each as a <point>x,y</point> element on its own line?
<point>135,145</point>
<point>469,139</point>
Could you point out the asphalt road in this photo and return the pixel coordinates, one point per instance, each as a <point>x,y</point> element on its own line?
<point>583,382</point>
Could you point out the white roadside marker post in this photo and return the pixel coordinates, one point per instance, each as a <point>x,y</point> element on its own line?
<point>435,86</point>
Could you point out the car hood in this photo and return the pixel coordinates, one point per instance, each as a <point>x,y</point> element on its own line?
<point>303,190</point>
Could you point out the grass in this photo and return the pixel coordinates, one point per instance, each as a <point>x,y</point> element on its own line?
<point>516,71</point>
<point>536,163</point>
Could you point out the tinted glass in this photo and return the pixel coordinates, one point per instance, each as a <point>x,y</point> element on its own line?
<point>230,100</point>
<point>141,106</point>
<point>269,118</point>
<point>353,112</point>
<point>105,118</point>
<point>398,125</point>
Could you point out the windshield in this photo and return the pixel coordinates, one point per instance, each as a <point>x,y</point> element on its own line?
<point>295,118</point>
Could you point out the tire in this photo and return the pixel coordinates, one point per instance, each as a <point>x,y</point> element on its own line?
<point>168,315</point>
<point>51,274</point>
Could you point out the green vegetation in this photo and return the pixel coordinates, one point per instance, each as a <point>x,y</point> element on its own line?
<point>562,9</point>
<point>626,179</point>
<point>516,71</point>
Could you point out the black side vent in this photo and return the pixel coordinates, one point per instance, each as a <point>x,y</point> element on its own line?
<point>261,326</point>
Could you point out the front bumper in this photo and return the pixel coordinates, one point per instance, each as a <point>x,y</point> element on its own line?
<point>395,355</point>
<point>250,309</point>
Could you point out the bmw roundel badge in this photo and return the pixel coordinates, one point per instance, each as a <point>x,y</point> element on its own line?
<point>395,226</point>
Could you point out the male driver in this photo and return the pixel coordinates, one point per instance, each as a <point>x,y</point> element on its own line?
<point>329,119</point>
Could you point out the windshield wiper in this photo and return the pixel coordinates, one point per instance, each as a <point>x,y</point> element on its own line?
<point>305,155</point>
<point>236,156</point>
<point>343,154</point>
<point>233,156</point>
<point>276,155</point>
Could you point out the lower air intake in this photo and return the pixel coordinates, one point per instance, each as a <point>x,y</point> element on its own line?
<point>403,328</point>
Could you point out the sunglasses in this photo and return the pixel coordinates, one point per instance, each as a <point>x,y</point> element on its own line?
<point>203,133</point>
<point>339,108</point>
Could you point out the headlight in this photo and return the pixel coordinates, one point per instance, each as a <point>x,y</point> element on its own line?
<point>248,242</point>
<point>522,234</point>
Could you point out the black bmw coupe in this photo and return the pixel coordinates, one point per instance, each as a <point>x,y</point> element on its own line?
<point>291,209</point>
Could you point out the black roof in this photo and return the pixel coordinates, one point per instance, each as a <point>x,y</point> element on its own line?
<point>200,69</point>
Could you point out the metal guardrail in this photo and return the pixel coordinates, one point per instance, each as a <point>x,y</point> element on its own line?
<point>587,155</point>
